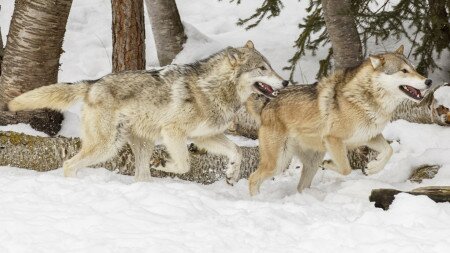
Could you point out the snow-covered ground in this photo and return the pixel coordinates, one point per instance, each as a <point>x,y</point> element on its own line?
<point>104,212</point>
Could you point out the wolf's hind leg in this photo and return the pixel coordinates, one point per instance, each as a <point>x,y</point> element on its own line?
<point>338,152</point>
<point>175,141</point>
<point>379,144</point>
<point>142,150</point>
<point>275,155</point>
<point>100,141</point>
<point>220,144</point>
<point>311,161</point>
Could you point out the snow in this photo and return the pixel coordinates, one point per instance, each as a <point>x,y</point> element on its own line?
<point>100,211</point>
<point>442,96</point>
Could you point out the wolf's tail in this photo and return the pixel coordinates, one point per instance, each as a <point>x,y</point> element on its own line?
<point>255,104</point>
<point>56,96</point>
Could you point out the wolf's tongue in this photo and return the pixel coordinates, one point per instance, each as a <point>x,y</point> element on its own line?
<point>267,87</point>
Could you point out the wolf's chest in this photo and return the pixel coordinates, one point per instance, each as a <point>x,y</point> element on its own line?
<point>364,132</point>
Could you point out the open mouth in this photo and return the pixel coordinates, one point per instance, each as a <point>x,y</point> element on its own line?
<point>411,92</point>
<point>265,89</point>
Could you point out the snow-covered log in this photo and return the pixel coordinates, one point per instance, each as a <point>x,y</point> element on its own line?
<point>383,198</point>
<point>41,120</point>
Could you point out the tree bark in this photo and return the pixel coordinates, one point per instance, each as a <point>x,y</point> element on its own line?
<point>41,120</point>
<point>168,31</point>
<point>128,35</point>
<point>49,153</point>
<point>1,51</point>
<point>383,198</point>
<point>34,46</point>
<point>341,27</point>
<point>44,154</point>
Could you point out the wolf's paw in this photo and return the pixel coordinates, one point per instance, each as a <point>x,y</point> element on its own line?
<point>373,167</point>
<point>328,165</point>
<point>232,174</point>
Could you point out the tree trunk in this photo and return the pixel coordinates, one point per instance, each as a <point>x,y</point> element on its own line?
<point>383,198</point>
<point>341,27</point>
<point>31,57</point>
<point>49,153</point>
<point>1,51</point>
<point>128,35</point>
<point>44,154</point>
<point>167,28</point>
<point>42,120</point>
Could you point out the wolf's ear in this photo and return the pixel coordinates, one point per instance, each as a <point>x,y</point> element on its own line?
<point>400,50</point>
<point>249,44</point>
<point>376,61</point>
<point>234,56</point>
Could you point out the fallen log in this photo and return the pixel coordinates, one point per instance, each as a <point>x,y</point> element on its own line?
<point>46,121</point>
<point>383,198</point>
<point>424,172</point>
<point>49,153</point>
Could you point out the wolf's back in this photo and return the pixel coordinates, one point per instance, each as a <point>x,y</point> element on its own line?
<point>56,96</point>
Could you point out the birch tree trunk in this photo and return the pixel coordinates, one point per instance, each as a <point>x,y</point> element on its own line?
<point>33,49</point>
<point>128,35</point>
<point>1,50</point>
<point>168,31</point>
<point>341,27</point>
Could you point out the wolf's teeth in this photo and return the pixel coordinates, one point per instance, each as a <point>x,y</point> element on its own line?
<point>275,93</point>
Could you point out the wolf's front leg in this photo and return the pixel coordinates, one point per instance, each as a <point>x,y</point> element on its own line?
<point>220,144</point>
<point>379,144</point>
<point>175,142</point>
<point>338,152</point>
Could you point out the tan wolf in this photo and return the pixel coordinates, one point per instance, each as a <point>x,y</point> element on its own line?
<point>173,104</point>
<point>348,109</point>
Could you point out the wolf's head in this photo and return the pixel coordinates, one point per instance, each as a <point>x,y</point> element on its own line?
<point>397,76</point>
<point>254,73</point>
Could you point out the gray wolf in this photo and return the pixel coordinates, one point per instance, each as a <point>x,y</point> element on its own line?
<point>173,104</point>
<point>348,109</point>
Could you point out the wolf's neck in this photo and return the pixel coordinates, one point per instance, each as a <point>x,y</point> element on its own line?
<point>217,82</point>
<point>363,92</point>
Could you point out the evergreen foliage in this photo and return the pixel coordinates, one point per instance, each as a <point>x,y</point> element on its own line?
<point>424,23</point>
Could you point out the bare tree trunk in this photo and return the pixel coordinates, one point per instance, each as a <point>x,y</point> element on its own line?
<point>167,28</point>
<point>1,50</point>
<point>34,46</point>
<point>341,27</point>
<point>128,35</point>
<point>44,120</point>
<point>44,154</point>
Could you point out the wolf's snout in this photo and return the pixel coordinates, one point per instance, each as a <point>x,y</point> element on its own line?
<point>428,82</point>
<point>285,83</point>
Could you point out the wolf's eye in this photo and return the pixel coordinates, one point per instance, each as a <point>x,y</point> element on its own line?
<point>262,68</point>
<point>404,71</point>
